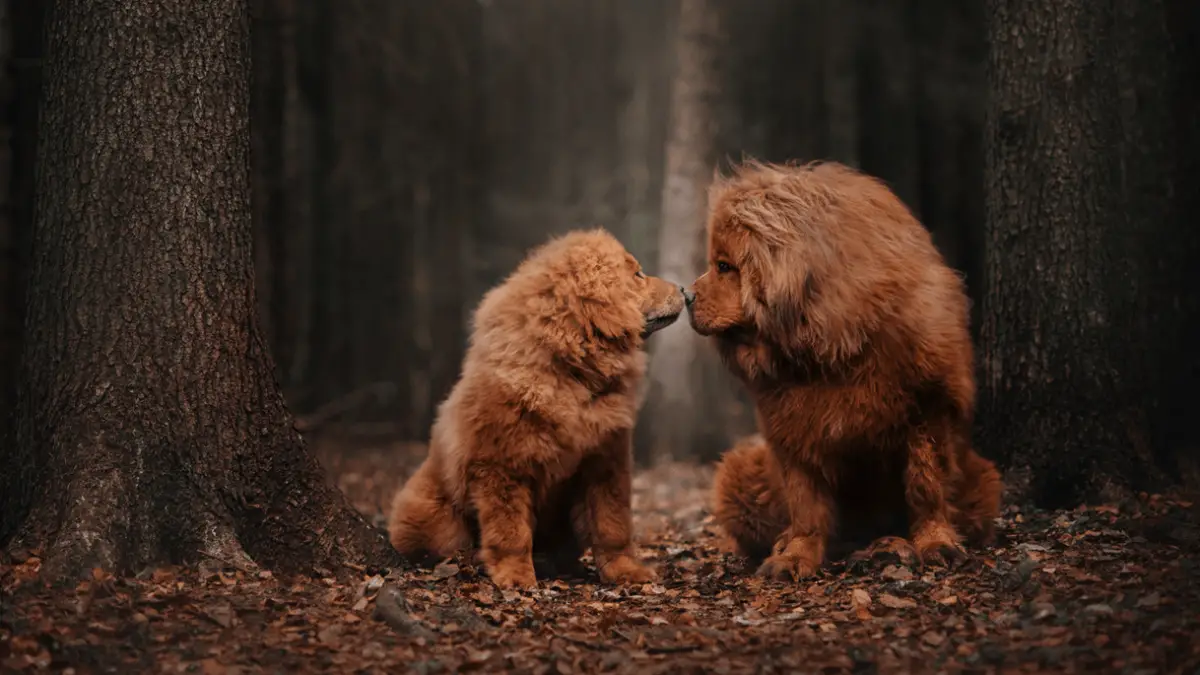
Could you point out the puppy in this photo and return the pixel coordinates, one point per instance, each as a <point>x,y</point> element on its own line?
<point>532,448</point>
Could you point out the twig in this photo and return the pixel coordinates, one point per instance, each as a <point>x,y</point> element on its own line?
<point>673,649</point>
<point>582,643</point>
<point>343,404</point>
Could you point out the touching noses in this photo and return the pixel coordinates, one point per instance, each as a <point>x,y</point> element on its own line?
<point>688,296</point>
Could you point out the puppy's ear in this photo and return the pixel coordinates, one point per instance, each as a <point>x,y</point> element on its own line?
<point>610,318</point>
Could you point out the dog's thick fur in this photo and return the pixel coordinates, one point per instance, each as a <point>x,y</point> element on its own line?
<point>532,448</point>
<point>828,299</point>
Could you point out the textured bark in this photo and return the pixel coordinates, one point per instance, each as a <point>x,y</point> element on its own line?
<point>1059,398</point>
<point>150,427</point>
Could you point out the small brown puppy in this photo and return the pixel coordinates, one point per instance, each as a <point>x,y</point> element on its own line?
<point>828,299</point>
<point>532,448</point>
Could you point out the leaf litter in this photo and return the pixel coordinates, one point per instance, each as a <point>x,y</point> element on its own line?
<point>1108,588</point>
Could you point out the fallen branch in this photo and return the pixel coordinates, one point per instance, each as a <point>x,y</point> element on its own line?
<point>340,406</point>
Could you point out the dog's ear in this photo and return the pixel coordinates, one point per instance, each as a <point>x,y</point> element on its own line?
<point>801,314</point>
<point>779,284</point>
<point>610,318</point>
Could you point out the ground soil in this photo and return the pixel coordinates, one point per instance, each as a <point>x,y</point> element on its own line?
<point>1107,588</point>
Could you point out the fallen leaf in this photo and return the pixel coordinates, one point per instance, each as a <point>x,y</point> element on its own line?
<point>889,600</point>
<point>445,571</point>
<point>860,600</point>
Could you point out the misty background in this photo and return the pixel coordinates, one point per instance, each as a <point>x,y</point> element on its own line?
<point>406,155</point>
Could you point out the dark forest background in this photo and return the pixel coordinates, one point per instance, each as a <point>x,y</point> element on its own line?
<point>407,154</point>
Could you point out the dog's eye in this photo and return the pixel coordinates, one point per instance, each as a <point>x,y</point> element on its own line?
<point>724,267</point>
<point>640,275</point>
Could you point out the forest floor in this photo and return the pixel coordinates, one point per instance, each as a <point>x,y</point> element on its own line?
<point>1112,588</point>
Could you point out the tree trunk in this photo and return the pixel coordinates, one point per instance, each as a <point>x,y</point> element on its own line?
<point>1058,397</point>
<point>643,81</point>
<point>150,426</point>
<point>685,415</point>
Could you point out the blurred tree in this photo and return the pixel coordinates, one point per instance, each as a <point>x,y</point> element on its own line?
<point>150,428</point>
<point>387,143</point>
<point>888,82</point>
<point>20,54</point>
<point>690,391</point>
<point>552,103</point>
<point>1082,298</point>
<point>951,89</point>
<point>270,27</point>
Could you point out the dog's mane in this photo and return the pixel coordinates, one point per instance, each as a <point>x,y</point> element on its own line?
<point>828,258</point>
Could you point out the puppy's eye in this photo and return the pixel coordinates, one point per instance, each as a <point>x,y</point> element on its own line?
<point>724,267</point>
<point>640,275</point>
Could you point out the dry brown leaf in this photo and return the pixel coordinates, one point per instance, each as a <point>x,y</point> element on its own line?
<point>889,600</point>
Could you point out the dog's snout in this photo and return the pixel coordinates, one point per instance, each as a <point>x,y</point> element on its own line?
<point>688,296</point>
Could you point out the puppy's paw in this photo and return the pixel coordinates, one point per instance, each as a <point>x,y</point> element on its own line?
<point>624,569</point>
<point>782,567</point>
<point>882,552</point>
<point>513,574</point>
<point>937,544</point>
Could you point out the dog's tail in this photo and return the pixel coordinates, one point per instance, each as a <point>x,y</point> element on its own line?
<point>747,497</point>
<point>978,502</point>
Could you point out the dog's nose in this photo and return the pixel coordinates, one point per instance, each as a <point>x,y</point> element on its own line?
<point>688,296</point>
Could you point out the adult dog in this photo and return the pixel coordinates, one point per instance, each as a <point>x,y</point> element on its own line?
<point>829,301</point>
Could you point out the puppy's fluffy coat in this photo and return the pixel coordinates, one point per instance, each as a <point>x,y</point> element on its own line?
<point>532,448</point>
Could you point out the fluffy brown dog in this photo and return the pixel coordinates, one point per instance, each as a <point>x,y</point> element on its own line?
<point>830,302</point>
<point>532,448</point>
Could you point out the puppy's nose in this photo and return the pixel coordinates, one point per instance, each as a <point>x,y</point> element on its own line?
<point>688,296</point>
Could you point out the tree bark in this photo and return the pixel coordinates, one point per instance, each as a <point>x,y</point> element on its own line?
<point>150,426</point>
<point>643,90</point>
<point>1057,396</point>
